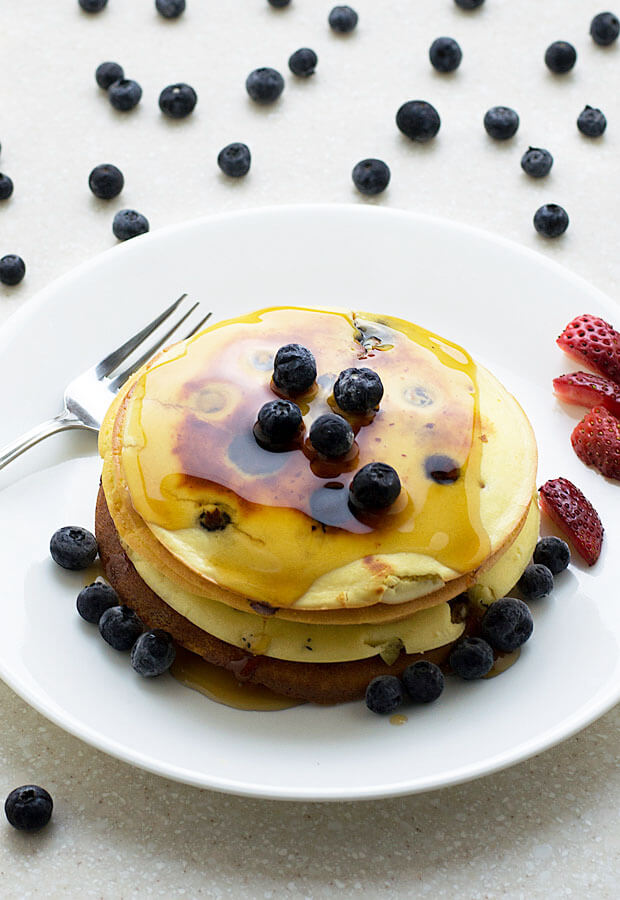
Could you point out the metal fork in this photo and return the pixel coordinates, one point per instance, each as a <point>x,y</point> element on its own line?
<point>89,395</point>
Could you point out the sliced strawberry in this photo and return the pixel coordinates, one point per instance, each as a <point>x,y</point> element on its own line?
<point>595,343</point>
<point>586,389</point>
<point>574,514</point>
<point>596,441</point>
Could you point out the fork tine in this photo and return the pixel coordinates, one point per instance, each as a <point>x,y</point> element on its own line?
<point>197,327</point>
<point>110,362</point>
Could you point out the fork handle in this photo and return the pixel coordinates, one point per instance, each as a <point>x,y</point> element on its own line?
<point>62,422</point>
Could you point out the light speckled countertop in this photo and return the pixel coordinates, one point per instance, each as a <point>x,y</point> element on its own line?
<point>547,827</point>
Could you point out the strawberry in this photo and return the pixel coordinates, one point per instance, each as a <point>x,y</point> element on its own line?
<point>595,343</point>
<point>586,389</point>
<point>574,514</point>
<point>596,441</point>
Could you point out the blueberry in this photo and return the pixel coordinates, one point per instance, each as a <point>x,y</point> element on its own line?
<point>445,54</point>
<point>124,94</point>
<point>6,187</point>
<point>371,176</point>
<point>471,658</point>
<point>469,4</point>
<point>294,369</point>
<point>73,547</point>
<point>553,553</point>
<point>278,422</point>
<point>128,223</point>
<point>384,694</point>
<point>358,390</point>
<point>418,120</point>
<point>94,599</point>
<point>28,807</point>
<point>501,122</point>
<point>507,624</point>
<point>93,5</point>
<point>536,582</point>
<point>342,19</point>
<point>120,627</point>
<point>375,486</point>
<point>591,122</point>
<point>170,9</point>
<point>235,159</point>
<point>331,435</point>
<point>12,269</point>
<point>441,469</point>
<point>560,57</point>
<point>551,220</point>
<point>153,653</point>
<point>278,4</point>
<point>107,73</point>
<point>605,28</point>
<point>106,181</point>
<point>178,100</point>
<point>423,681</point>
<point>303,62</point>
<point>264,85</point>
<point>536,162</point>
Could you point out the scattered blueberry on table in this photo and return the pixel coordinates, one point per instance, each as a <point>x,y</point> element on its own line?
<point>507,624</point>
<point>120,627</point>
<point>371,176</point>
<point>107,73</point>
<point>235,159</point>
<point>374,487</point>
<point>554,553</point>
<point>73,547</point>
<point>128,223</point>
<point>591,122</point>
<point>178,100</point>
<point>153,653</point>
<point>279,4</point>
<point>29,807</point>
<point>384,694</point>
<point>264,85</point>
<point>170,9</point>
<point>605,28</point>
<point>471,658</point>
<point>93,6</point>
<point>536,582</point>
<point>6,186</point>
<point>331,435</point>
<point>94,599</point>
<point>445,54</point>
<point>343,19</point>
<point>278,422</point>
<point>418,120</point>
<point>124,94</point>
<point>12,269</point>
<point>560,57</point>
<point>536,162</point>
<point>106,181</point>
<point>469,4</point>
<point>423,681</point>
<point>303,62</point>
<point>551,220</point>
<point>501,123</point>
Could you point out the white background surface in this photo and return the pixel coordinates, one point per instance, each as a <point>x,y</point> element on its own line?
<point>547,827</point>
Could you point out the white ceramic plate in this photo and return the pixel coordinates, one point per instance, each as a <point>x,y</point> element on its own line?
<point>505,304</point>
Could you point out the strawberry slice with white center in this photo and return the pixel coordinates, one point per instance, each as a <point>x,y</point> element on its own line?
<point>595,343</point>
<point>596,441</point>
<point>587,389</point>
<point>571,511</point>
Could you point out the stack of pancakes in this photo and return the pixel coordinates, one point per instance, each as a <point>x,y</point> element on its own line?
<point>255,559</point>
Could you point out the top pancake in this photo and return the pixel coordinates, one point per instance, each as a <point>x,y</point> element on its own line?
<point>182,443</point>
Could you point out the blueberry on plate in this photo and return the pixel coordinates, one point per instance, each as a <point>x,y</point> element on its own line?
<point>294,369</point>
<point>170,9</point>
<point>560,57</point>
<point>178,100</point>
<point>107,73</point>
<point>106,181</point>
<point>605,28</point>
<point>6,186</point>
<point>235,159</point>
<point>536,162</point>
<point>507,624</point>
<point>445,54</point>
<point>303,62</point>
<point>552,552</point>
<point>342,19</point>
<point>358,390</point>
<point>331,435</point>
<point>551,220</point>
<point>28,807</point>
<point>124,94</point>
<point>374,487</point>
<point>94,599</point>
<point>469,4</point>
<point>153,653</point>
<point>278,422</point>
<point>591,122</point>
<point>418,120</point>
<point>128,223</point>
<point>384,694</point>
<point>120,627</point>
<point>471,658</point>
<point>93,5</point>
<point>371,176</point>
<point>423,681</point>
<point>12,269</point>
<point>536,582</point>
<point>73,547</point>
<point>264,85</point>
<point>501,122</point>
